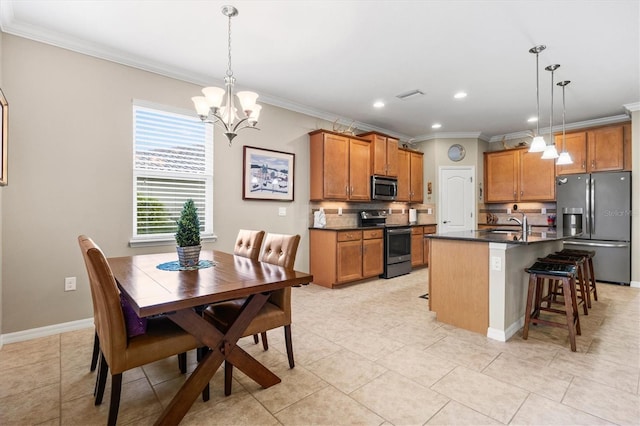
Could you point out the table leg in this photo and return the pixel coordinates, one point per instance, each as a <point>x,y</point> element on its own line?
<point>222,346</point>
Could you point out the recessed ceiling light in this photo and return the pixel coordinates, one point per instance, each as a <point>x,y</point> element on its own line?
<point>532,120</point>
<point>436,126</point>
<point>378,104</point>
<point>460,95</point>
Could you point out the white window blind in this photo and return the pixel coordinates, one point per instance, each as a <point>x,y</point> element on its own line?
<point>173,161</point>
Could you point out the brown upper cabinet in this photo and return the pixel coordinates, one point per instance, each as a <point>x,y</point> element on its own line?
<point>339,167</point>
<point>384,154</point>
<point>410,176</point>
<point>518,175</point>
<point>599,149</point>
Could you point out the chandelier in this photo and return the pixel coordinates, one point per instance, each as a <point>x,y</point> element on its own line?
<point>219,105</point>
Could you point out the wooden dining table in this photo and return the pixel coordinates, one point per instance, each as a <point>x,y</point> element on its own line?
<point>179,294</point>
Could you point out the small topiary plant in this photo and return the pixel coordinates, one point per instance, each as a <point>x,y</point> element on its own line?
<point>188,233</point>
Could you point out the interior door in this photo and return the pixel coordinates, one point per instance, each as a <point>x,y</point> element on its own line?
<point>456,199</point>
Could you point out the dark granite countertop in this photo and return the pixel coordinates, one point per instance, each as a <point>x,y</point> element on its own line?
<point>360,228</point>
<point>497,235</point>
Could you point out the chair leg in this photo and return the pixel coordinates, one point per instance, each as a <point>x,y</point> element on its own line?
<point>287,340</point>
<point>228,377</point>
<point>116,388</point>
<point>265,343</point>
<point>182,362</point>
<point>101,380</point>
<point>96,352</point>
<point>255,339</point>
<point>200,353</point>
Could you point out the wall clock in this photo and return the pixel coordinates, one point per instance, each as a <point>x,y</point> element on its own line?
<point>456,152</point>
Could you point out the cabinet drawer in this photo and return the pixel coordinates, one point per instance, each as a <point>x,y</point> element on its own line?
<point>371,234</point>
<point>416,230</point>
<point>430,229</point>
<point>349,235</point>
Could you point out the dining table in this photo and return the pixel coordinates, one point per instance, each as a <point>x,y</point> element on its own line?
<point>181,294</point>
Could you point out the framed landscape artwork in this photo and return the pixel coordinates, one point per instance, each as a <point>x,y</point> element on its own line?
<point>267,174</point>
<point>4,115</point>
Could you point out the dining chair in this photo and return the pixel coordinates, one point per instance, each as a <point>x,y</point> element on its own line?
<point>163,338</point>
<point>248,243</point>
<point>281,250</point>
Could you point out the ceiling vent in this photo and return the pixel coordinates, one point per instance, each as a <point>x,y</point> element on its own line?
<point>410,94</point>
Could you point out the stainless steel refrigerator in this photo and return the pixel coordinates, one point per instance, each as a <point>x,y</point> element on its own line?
<point>596,208</point>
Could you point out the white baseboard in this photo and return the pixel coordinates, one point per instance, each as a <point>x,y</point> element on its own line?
<point>48,330</point>
<point>635,284</point>
<point>504,335</point>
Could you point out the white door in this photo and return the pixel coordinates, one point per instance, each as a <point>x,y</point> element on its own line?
<point>456,199</point>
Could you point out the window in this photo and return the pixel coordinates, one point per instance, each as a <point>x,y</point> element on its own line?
<point>172,162</point>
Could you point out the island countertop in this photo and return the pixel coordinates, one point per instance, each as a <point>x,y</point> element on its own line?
<point>507,236</point>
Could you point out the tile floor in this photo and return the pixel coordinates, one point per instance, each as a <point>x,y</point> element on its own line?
<point>369,353</point>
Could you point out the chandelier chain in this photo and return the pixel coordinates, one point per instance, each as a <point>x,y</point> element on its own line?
<point>229,70</point>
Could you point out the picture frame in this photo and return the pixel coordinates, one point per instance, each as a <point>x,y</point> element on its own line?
<point>267,174</point>
<point>4,116</point>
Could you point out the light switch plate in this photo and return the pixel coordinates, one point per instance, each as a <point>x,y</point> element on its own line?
<point>282,211</point>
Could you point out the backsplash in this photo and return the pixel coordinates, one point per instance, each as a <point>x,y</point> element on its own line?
<point>346,214</point>
<point>496,214</point>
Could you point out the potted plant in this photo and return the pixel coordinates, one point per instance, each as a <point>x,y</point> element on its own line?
<point>188,235</point>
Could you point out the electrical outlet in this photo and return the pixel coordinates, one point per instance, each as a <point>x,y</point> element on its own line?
<point>70,284</point>
<point>496,263</point>
<point>429,211</point>
<point>339,211</point>
<point>508,211</point>
<point>390,212</point>
<point>402,211</point>
<point>282,211</point>
<point>543,211</point>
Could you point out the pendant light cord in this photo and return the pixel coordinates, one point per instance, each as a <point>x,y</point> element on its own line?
<point>229,71</point>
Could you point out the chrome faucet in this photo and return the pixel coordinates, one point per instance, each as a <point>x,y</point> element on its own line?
<point>522,223</point>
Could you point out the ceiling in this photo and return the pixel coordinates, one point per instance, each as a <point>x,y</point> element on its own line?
<point>333,59</point>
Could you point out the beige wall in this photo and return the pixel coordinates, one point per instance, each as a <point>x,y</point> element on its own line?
<point>71,174</point>
<point>1,194</point>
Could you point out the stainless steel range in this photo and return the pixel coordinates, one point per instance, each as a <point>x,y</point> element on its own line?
<point>397,243</point>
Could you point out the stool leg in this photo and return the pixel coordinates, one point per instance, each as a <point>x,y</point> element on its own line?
<point>527,313</point>
<point>576,317</point>
<point>569,305</point>
<point>584,293</point>
<point>593,280</point>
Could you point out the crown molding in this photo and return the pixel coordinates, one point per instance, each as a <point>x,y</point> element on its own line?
<point>632,107</point>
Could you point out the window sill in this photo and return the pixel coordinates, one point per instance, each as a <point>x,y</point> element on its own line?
<point>165,241</point>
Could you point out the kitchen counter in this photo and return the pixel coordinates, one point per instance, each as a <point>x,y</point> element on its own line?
<point>360,228</point>
<point>477,279</point>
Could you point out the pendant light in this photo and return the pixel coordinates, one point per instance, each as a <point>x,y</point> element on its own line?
<point>226,116</point>
<point>537,144</point>
<point>564,157</point>
<point>550,152</point>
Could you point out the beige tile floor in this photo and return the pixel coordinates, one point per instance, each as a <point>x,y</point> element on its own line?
<point>369,353</point>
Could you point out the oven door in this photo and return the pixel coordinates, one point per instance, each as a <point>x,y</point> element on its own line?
<point>397,245</point>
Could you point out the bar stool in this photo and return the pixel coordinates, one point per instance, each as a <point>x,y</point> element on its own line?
<point>581,281</point>
<point>538,273</point>
<point>591,279</point>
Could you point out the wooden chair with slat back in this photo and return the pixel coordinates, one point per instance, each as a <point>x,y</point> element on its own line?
<point>278,250</point>
<point>119,353</point>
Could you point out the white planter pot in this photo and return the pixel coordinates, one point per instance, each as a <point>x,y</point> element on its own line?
<point>188,256</point>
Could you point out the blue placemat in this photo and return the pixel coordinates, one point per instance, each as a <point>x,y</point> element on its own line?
<point>175,266</point>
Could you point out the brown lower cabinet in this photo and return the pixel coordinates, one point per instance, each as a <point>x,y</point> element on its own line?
<point>337,257</point>
<point>420,245</point>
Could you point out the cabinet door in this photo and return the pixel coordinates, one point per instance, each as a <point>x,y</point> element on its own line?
<point>501,176</point>
<point>417,187</point>
<point>392,157</point>
<point>431,229</point>
<point>606,149</point>
<point>537,177</point>
<point>372,257</point>
<point>336,167</point>
<point>359,170</point>
<point>404,168</point>
<point>349,260</point>
<point>576,146</point>
<point>417,246</point>
<point>379,155</point>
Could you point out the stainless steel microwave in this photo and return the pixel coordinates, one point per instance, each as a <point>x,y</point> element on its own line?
<point>384,188</point>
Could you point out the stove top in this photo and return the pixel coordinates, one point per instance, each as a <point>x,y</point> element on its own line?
<point>371,218</point>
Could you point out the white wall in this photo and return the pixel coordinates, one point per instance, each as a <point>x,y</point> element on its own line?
<point>1,194</point>
<point>635,199</point>
<point>71,174</point>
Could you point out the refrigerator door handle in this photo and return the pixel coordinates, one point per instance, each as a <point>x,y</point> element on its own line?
<point>592,210</point>
<point>581,243</point>
<point>588,210</point>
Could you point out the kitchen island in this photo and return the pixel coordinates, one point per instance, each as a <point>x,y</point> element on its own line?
<point>477,279</point>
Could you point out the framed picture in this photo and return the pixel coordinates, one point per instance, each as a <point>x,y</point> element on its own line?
<point>4,114</point>
<point>267,174</point>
